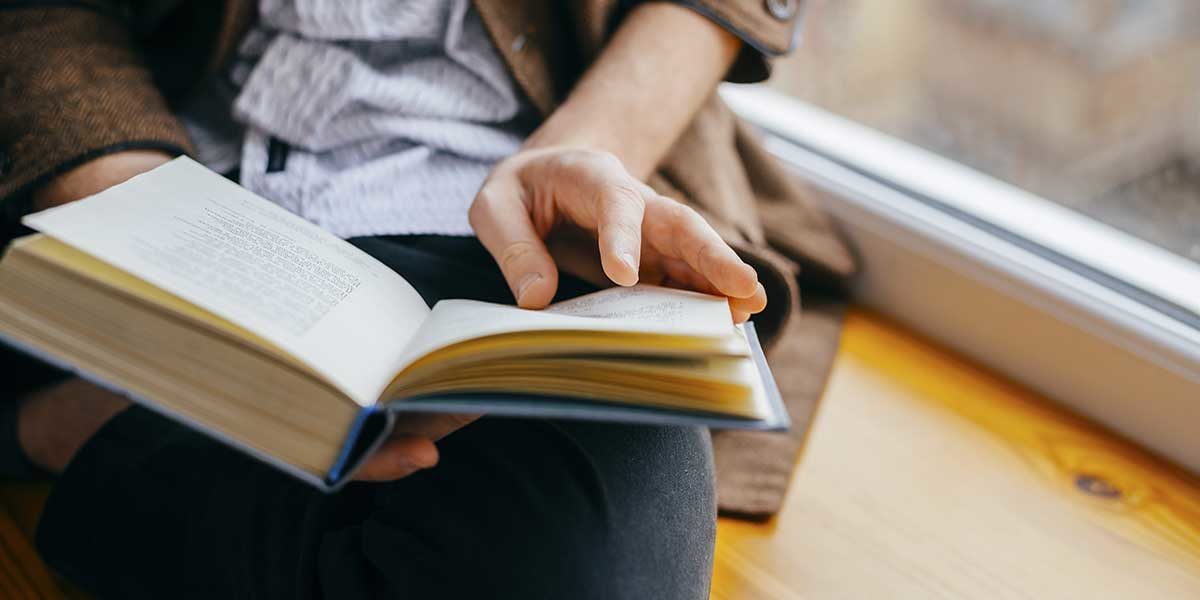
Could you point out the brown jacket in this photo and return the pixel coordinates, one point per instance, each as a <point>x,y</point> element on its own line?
<point>79,79</point>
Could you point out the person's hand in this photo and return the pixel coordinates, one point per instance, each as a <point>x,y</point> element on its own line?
<point>96,175</point>
<point>53,423</point>
<point>640,234</point>
<point>411,446</point>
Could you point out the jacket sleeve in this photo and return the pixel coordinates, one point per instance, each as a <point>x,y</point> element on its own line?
<point>73,87</point>
<point>768,28</point>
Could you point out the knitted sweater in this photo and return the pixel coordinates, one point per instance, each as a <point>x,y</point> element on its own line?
<point>364,117</point>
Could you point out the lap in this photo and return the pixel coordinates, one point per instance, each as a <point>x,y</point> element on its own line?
<point>516,507</point>
<point>542,509</point>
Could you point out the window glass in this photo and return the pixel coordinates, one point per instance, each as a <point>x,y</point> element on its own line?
<point>1093,104</point>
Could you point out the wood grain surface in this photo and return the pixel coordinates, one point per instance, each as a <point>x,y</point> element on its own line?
<point>928,477</point>
<point>22,574</point>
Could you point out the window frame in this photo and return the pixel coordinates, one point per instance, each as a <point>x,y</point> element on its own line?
<point>1088,315</point>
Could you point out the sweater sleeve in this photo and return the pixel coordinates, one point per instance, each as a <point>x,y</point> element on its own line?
<point>73,87</point>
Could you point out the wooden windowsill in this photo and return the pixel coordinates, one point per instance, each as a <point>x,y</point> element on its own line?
<point>926,476</point>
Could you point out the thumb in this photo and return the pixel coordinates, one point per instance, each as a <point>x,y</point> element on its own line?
<point>503,224</point>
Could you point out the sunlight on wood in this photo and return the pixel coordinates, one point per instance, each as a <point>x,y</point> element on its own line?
<point>22,574</point>
<point>928,477</point>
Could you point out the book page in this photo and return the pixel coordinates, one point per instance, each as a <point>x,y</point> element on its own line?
<point>637,309</point>
<point>659,308</point>
<point>199,236</point>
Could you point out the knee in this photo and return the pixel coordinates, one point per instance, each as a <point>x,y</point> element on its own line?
<point>616,511</point>
<point>662,511</point>
<point>665,469</point>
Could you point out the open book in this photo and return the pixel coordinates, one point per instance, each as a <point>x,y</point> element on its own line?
<point>197,298</point>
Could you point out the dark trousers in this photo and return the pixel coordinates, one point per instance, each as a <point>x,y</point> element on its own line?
<point>517,508</point>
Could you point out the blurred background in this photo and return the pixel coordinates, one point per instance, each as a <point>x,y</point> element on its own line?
<point>1093,104</point>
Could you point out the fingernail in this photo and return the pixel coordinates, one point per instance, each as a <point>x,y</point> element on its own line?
<point>628,259</point>
<point>527,281</point>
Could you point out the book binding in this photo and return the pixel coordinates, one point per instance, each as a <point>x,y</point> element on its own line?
<point>369,430</point>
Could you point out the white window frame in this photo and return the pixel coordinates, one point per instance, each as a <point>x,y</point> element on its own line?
<point>1086,314</point>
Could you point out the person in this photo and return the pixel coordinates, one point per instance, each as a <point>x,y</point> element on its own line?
<point>417,131</point>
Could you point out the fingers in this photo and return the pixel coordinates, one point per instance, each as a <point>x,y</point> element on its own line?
<point>677,273</point>
<point>619,228</point>
<point>504,226</point>
<point>742,308</point>
<point>594,190</point>
<point>411,447</point>
<point>751,305</point>
<point>399,457</point>
<point>678,232</point>
<point>525,199</point>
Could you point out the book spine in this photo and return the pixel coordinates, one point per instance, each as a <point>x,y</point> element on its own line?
<point>782,420</point>
<point>370,429</point>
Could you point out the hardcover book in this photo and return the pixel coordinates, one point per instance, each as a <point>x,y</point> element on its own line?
<point>197,298</point>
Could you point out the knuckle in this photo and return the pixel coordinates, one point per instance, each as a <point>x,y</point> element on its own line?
<point>625,195</point>
<point>483,203</point>
<point>595,162</point>
<point>606,160</point>
<point>623,229</point>
<point>683,217</point>
<point>473,214</point>
<point>680,213</point>
<point>515,253</point>
<point>690,216</point>
<point>564,170</point>
<point>705,257</point>
<point>572,158</point>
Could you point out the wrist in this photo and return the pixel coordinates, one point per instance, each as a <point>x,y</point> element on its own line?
<point>647,85</point>
<point>557,134</point>
<point>96,175</point>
